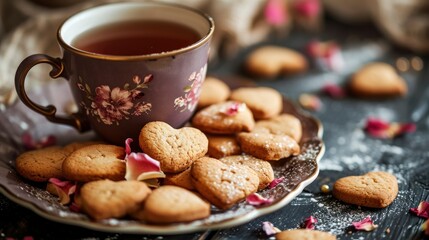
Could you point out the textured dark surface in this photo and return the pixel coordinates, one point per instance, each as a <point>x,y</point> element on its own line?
<point>349,151</point>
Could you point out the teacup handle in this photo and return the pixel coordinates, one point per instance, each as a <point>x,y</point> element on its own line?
<point>75,120</point>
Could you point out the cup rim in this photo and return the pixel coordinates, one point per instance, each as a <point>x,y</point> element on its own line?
<point>204,39</point>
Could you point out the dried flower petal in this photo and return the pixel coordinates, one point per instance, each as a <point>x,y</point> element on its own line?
<point>269,228</point>
<point>422,210</point>
<point>326,55</point>
<point>275,12</point>
<point>309,222</point>
<point>425,227</point>
<point>310,101</point>
<point>382,129</point>
<point>233,109</point>
<point>140,166</point>
<point>255,199</point>
<point>276,182</point>
<point>366,224</point>
<point>64,189</point>
<point>27,238</point>
<point>307,8</point>
<point>31,144</point>
<point>334,91</point>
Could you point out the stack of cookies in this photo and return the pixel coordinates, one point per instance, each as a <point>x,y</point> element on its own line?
<point>220,159</point>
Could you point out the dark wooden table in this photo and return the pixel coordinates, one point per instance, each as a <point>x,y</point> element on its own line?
<point>349,151</point>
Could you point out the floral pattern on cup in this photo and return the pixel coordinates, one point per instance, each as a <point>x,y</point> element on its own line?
<point>110,106</point>
<point>192,91</point>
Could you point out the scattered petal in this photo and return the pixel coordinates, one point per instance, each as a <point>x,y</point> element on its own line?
<point>334,91</point>
<point>307,8</point>
<point>276,182</point>
<point>382,129</point>
<point>366,224</point>
<point>422,210</point>
<point>425,227</point>
<point>27,238</point>
<point>233,109</point>
<point>326,55</point>
<point>309,222</point>
<point>140,166</point>
<point>31,144</point>
<point>64,189</point>
<point>255,199</point>
<point>269,228</point>
<point>148,78</point>
<point>275,12</point>
<point>310,101</point>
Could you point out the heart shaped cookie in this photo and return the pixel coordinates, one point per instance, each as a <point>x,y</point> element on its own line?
<point>264,102</point>
<point>374,189</point>
<point>175,149</point>
<point>377,80</point>
<point>285,124</point>
<point>171,204</point>
<point>223,185</point>
<point>108,199</point>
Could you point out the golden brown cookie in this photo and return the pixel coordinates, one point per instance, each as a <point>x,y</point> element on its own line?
<point>95,162</point>
<point>223,145</point>
<point>172,204</point>
<point>377,80</point>
<point>268,146</point>
<point>42,164</point>
<point>221,184</point>
<point>304,234</point>
<point>261,167</point>
<point>374,189</point>
<point>181,179</point>
<point>224,118</point>
<point>284,124</point>
<point>71,147</point>
<point>108,199</point>
<point>270,61</point>
<point>213,91</point>
<point>176,149</point>
<point>264,102</point>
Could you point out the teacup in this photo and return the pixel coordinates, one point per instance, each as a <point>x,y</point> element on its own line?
<point>118,81</point>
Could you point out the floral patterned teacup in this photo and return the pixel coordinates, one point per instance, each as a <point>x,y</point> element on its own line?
<point>118,95</point>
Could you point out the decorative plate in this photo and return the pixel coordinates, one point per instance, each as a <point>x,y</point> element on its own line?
<point>299,171</point>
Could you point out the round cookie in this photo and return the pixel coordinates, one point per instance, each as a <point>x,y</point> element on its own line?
<point>175,149</point>
<point>264,102</point>
<point>71,147</point>
<point>221,184</point>
<point>284,124</point>
<point>95,162</point>
<point>304,234</point>
<point>261,167</point>
<point>224,118</point>
<point>171,204</point>
<point>270,61</point>
<point>42,164</point>
<point>213,91</point>
<point>223,145</point>
<point>374,189</point>
<point>108,199</point>
<point>268,146</point>
<point>377,80</point>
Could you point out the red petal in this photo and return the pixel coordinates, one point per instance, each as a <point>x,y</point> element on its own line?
<point>269,228</point>
<point>276,182</point>
<point>30,144</point>
<point>366,224</point>
<point>309,222</point>
<point>255,199</point>
<point>128,142</point>
<point>334,91</point>
<point>308,8</point>
<point>422,210</point>
<point>275,12</point>
<point>407,128</point>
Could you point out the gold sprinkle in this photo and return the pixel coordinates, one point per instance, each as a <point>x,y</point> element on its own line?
<point>387,230</point>
<point>416,63</point>
<point>325,188</point>
<point>402,64</point>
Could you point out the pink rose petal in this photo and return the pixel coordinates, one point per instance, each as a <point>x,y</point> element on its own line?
<point>233,109</point>
<point>310,222</point>
<point>27,238</point>
<point>307,8</point>
<point>422,210</point>
<point>276,182</point>
<point>381,129</point>
<point>334,91</point>
<point>366,224</point>
<point>255,199</point>
<point>275,12</point>
<point>64,189</point>
<point>269,228</point>
<point>326,55</point>
<point>31,144</point>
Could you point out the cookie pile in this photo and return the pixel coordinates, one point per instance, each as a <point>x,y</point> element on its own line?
<point>220,159</point>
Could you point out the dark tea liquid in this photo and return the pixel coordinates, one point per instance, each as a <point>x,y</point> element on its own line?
<point>136,38</point>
